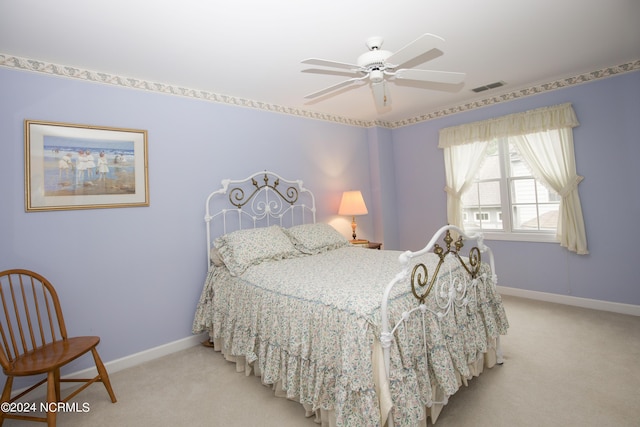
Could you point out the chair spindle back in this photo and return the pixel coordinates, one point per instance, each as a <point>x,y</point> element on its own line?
<point>31,315</point>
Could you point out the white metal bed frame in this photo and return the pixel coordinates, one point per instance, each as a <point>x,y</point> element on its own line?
<point>265,198</point>
<point>449,295</point>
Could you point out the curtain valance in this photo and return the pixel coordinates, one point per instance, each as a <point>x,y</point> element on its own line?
<point>541,119</point>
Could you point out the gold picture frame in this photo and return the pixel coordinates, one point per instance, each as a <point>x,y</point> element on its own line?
<point>71,166</point>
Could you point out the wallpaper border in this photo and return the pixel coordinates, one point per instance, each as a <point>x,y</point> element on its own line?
<point>534,90</point>
<point>10,61</point>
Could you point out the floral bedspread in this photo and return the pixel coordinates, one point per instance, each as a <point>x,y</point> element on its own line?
<point>310,323</point>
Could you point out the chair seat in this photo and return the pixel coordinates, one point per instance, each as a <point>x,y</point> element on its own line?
<point>52,356</point>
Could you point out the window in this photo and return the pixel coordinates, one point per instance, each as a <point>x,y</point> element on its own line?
<point>505,199</point>
<point>515,176</point>
<point>481,216</point>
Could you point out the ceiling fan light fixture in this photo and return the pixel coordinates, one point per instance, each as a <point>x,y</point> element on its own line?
<point>376,76</point>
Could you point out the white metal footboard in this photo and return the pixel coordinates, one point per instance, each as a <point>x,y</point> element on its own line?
<point>450,294</point>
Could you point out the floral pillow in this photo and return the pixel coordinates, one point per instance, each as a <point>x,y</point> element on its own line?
<point>215,257</point>
<point>315,238</point>
<point>243,248</point>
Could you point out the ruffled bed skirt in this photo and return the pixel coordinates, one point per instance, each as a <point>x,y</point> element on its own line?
<point>327,418</point>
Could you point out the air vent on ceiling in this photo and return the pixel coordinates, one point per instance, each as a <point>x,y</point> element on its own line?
<point>487,87</point>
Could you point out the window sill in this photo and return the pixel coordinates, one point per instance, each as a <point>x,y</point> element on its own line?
<point>521,237</point>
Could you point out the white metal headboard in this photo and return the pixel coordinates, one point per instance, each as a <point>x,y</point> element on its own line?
<point>259,200</point>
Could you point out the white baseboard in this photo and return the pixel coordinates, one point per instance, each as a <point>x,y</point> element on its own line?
<point>615,307</point>
<point>143,356</point>
<point>128,361</point>
<point>154,353</point>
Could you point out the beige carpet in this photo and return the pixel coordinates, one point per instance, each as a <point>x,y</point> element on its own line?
<point>564,366</point>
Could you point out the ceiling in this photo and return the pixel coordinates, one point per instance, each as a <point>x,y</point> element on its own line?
<point>252,50</point>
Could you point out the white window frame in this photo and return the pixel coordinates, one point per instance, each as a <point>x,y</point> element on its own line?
<point>505,180</point>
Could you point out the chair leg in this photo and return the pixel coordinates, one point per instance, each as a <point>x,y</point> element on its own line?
<point>6,396</point>
<point>104,376</point>
<point>56,380</point>
<point>51,398</point>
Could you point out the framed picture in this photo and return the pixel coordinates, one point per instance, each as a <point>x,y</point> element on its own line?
<point>70,166</point>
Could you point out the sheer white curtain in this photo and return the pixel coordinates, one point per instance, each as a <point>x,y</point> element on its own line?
<point>544,138</point>
<point>551,159</point>
<point>461,165</point>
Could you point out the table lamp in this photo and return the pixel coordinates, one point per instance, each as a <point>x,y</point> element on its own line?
<point>353,204</point>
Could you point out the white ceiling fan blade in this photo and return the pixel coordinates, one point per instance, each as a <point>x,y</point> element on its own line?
<point>380,94</point>
<point>419,46</point>
<point>449,77</point>
<point>328,63</point>
<point>333,87</point>
<point>331,72</point>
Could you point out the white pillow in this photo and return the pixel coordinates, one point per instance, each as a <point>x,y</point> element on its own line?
<point>316,238</point>
<point>243,248</point>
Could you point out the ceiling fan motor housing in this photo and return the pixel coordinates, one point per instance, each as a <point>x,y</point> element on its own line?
<point>373,60</point>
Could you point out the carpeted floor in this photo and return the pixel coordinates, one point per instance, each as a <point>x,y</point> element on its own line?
<point>564,366</point>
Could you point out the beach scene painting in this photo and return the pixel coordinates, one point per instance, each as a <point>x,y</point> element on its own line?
<point>81,167</point>
<point>88,166</point>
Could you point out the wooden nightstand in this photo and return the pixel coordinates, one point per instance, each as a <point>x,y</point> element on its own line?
<point>366,244</point>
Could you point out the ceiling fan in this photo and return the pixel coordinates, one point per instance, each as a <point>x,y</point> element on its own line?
<point>377,66</point>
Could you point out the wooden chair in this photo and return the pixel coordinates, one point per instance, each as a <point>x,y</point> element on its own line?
<point>35,342</point>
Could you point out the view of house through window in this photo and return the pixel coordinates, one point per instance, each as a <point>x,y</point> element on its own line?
<point>506,197</point>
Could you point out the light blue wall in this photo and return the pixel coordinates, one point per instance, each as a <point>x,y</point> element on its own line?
<point>383,187</point>
<point>607,147</point>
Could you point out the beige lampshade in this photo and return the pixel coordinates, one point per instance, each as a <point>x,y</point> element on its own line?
<point>352,204</point>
